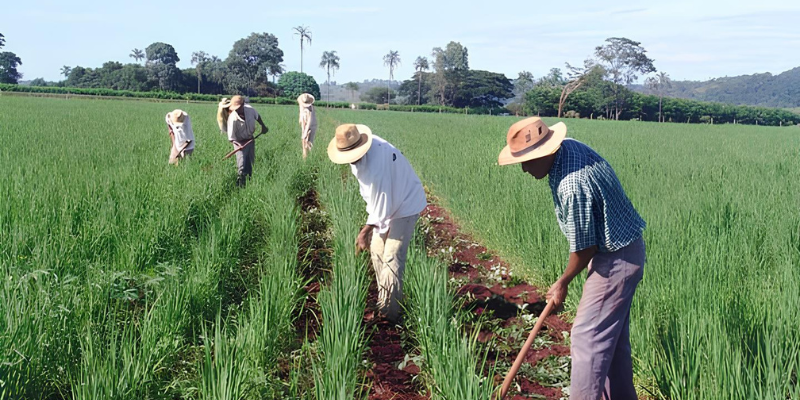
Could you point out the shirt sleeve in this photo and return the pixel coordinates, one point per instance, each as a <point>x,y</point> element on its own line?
<point>375,182</point>
<point>579,224</point>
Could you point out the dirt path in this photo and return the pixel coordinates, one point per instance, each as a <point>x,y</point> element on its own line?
<point>387,353</point>
<point>504,306</point>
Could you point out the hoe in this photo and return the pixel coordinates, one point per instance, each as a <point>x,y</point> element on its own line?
<point>521,356</point>
<point>238,149</point>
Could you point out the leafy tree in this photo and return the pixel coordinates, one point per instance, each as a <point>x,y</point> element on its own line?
<point>161,60</point>
<point>523,84</point>
<point>329,61</point>
<point>377,95</point>
<point>483,89</point>
<point>2,40</point>
<point>199,58</point>
<point>450,65</point>
<point>577,77</point>
<point>294,84</point>
<point>251,59</point>
<point>38,82</point>
<point>353,88</point>
<point>305,35</point>
<point>658,84</point>
<point>420,64</point>
<point>624,60</point>
<point>421,82</point>
<point>391,60</point>
<point>137,55</point>
<point>8,67</point>
<point>65,70</point>
<point>162,53</point>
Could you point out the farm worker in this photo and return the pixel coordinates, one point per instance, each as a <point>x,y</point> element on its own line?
<point>604,232</point>
<point>308,122</point>
<point>238,120</point>
<point>181,136</point>
<point>394,197</point>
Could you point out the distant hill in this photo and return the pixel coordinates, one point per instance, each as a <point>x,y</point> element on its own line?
<point>767,90</point>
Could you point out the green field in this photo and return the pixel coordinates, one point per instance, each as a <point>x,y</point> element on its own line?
<point>128,278</point>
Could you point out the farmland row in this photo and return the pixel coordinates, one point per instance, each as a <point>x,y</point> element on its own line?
<point>128,279</point>
<point>713,316</point>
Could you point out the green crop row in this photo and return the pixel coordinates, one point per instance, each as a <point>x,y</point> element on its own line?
<point>127,278</point>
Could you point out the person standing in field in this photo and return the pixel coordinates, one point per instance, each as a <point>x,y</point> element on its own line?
<point>308,122</point>
<point>394,197</point>
<point>238,120</point>
<point>181,136</point>
<point>604,232</point>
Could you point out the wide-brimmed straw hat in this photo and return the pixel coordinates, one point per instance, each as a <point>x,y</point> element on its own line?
<point>305,99</point>
<point>350,143</point>
<point>529,139</point>
<point>236,102</point>
<point>177,116</point>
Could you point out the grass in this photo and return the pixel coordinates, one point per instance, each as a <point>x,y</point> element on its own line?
<point>128,278</point>
<point>722,236</point>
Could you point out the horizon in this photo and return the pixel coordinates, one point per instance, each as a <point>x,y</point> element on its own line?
<point>698,44</point>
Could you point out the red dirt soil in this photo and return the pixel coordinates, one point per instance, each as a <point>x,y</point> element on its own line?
<point>473,262</point>
<point>386,352</point>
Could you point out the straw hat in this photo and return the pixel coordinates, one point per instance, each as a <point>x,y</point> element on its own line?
<point>305,99</point>
<point>350,143</point>
<point>177,116</point>
<point>531,138</point>
<point>236,102</point>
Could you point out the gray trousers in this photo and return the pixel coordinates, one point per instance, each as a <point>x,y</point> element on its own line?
<point>601,348</point>
<point>244,163</point>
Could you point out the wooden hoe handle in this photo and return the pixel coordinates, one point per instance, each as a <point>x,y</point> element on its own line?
<point>521,356</point>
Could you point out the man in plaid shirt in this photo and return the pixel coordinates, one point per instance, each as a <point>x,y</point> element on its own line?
<point>604,232</point>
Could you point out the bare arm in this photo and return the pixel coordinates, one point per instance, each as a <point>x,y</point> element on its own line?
<point>264,128</point>
<point>578,261</point>
<point>363,238</point>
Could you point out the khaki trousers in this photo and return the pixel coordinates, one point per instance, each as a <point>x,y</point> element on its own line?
<point>389,251</point>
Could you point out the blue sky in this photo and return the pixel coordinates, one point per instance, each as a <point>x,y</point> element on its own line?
<point>696,39</point>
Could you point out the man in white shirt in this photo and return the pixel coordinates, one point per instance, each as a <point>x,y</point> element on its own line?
<point>238,120</point>
<point>394,197</point>
<point>181,135</point>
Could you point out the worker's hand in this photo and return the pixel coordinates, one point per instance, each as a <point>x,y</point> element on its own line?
<point>363,238</point>
<point>264,129</point>
<point>557,293</point>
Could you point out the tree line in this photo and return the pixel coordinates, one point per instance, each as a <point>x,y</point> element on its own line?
<point>598,89</point>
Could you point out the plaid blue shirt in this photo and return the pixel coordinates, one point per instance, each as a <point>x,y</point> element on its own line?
<point>591,206</point>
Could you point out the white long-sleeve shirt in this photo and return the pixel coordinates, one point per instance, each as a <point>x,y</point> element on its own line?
<point>388,184</point>
<point>182,132</point>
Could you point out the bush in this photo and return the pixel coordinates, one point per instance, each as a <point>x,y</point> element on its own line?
<point>293,84</point>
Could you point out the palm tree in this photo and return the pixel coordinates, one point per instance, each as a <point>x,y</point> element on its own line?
<point>391,60</point>
<point>329,60</point>
<point>658,83</point>
<point>137,55</point>
<point>420,64</point>
<point>65,70</point>
<point>305,35</point>
<point>199,58</point>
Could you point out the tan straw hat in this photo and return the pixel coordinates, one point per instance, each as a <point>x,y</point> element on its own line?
<point>177,116</point>
<point>236,102</point>
<point>531,138</point>
<point>350,143</point>
<point>305,99</point>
